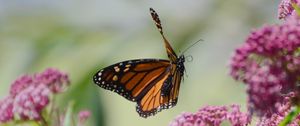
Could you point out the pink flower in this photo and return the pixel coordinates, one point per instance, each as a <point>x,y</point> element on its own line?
<point>184,119</point>
<point>276,118</point>
<point>6,106</point>
<point>54,79</point>
<point>212,116</point>
<point>29,103</point>
<point>285,8</point>
<point>20,84</point>
<point>29,95</point>
<point>268,64</point>
<point>83,116</point>
<point>272,120</point>
<point>237,118</point>
<point>264,89</point>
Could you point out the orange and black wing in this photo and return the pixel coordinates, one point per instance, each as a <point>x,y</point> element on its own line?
<point>162,95</point>
<point>171,54</point>
<point>133,78</point>
<point>152,83</point>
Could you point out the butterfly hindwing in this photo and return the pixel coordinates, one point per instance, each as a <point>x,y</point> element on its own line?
<point>163,95</point>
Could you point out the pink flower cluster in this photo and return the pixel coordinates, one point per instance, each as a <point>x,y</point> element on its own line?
<point>275,119</point>
<point>29,95</point>
<point>213,116</point>
<point>269,64</point>
<point>285,8</point>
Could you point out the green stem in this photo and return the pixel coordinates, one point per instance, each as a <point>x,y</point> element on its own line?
<point>44,122</point>
<point>52,105</point>
<point>290,117</point>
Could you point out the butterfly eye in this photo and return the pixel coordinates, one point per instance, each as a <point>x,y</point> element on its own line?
<point>188,58</point>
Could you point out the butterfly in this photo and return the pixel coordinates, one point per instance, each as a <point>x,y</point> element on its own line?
<point>152,83</point>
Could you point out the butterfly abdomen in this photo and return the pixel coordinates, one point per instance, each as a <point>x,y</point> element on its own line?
<point>167,87</point>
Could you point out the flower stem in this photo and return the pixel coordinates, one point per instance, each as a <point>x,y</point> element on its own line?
<point>52,106</point>
<point>43,121</point>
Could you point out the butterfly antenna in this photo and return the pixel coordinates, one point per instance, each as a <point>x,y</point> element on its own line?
<point>191,46</point>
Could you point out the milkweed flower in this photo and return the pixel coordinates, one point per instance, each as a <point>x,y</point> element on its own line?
<point>269,64</point>
<point>275,119</point>
<point>212,116</point>
<point>20,84</point>
<point>29,103</point>
<point>83,115</point>
<point>286,9</point>
<point>55,80</point>
<point>6,107</point>
<point>238,118</point>
<point>30,94</point>
<point>185,118</point>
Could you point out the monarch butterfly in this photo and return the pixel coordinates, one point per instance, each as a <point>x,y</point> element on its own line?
<point>152,83</point>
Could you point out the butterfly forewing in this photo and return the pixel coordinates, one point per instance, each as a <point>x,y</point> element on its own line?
<point>130,78</point>
<point>170,52</point>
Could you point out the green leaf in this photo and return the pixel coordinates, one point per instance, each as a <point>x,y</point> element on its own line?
<point>296,7</point>
<point>290,117</point>
<point>69,114</point>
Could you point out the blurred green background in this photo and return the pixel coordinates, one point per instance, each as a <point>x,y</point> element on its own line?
<point>81,37</point>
